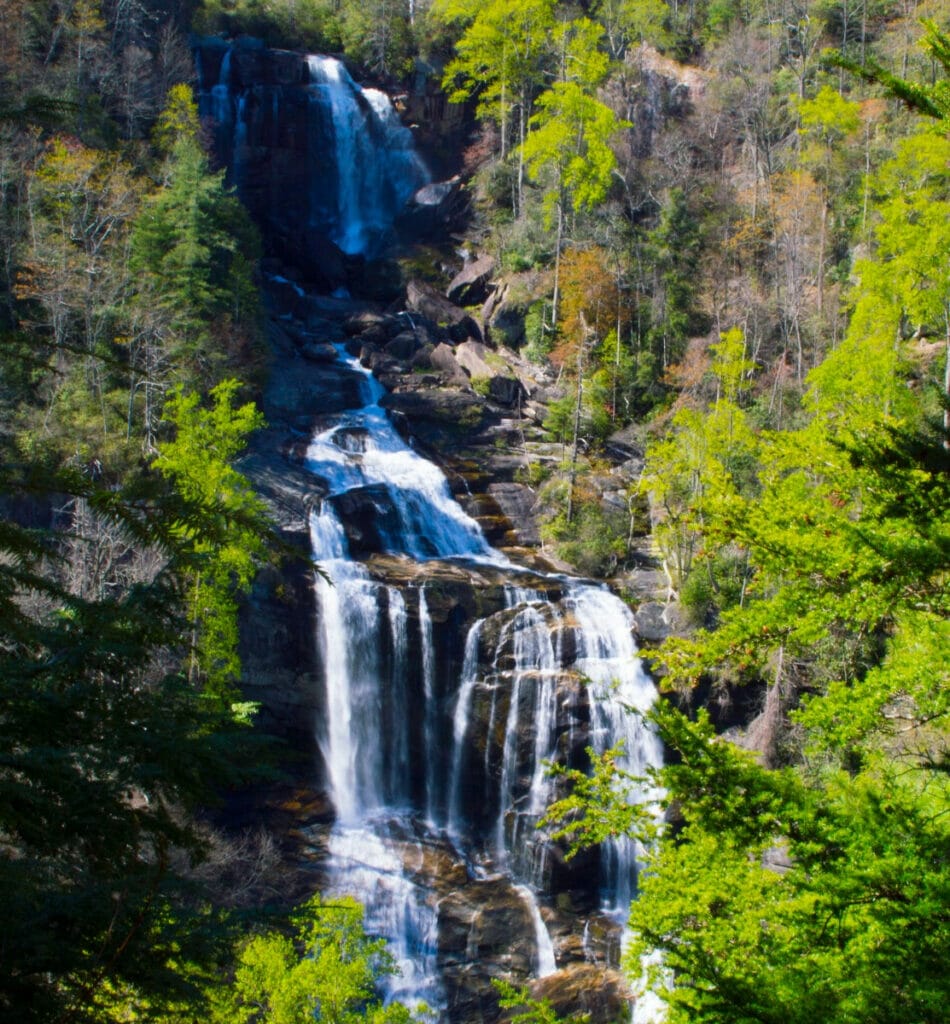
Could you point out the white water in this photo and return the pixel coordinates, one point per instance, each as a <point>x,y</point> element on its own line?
<point>360,160</point>
<point>377,167</point>
<point>538,647</point>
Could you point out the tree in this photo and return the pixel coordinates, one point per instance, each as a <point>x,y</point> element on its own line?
<point>104,749</point>
<point>194,247</point>
<point>932,100</point>
<point>571,136</point>
<point>632,22</point>
<point>198,462</point>
<point>826,123</point>
<point>502,58</point>
<point>848,927</point>
<point>673,246</point>
<point>328,969</point>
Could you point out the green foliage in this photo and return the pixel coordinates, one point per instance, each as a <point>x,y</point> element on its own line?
<point>629,23</point>
<point>594,541</point>
<point>194,247</point>
<point>862,880</point>
<point>933,99</point>
<point>571,137</point>
<point>198,462</point>
<point>674,245</point>
<point>328,969</point>
<point>600,806</point>
<point>500,56</point>
<point>314,25</point>
<point>530,1011</point>
<point>178,120</point>
<point>103,751</point>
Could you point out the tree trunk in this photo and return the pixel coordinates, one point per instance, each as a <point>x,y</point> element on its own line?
<point>577,430</point>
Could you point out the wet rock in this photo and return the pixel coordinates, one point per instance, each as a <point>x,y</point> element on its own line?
<point>365,320</point>
<point>295,396</point>
<point>318,352</point>
<point>368,514</point>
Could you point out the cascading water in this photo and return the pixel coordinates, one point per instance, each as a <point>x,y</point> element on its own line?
<point>449,676</point>
<point>377,167</point>
<point>468,765</point>
<point>356,160</point>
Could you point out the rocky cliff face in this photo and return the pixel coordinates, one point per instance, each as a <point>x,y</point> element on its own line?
<point>273,114</point>
<point>485,927</point>
<point>470,676</point>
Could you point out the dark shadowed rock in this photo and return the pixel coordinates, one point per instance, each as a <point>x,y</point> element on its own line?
<point>403,347</point>
<point>469,286</point>
<point>318,352</point>
<point>507,328</point>
<point>368,515</point>
<point>466,329</point>
<point>364,320</point>
<point>518,503</point>
<point>423,298</point>
<point>422,360</point>
<point>434,210</point>
<point>505,391</point>
<point>442,358</point>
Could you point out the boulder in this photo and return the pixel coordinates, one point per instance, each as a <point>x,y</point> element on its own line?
<point>518,503</point>
<point>469,286</point>
<point>471,357</point>
<point>654,622</point>
<point>318,351</point>
<point>507,327</point>
<point>465,329</point>
<point>368,514</point>
<point>403,347</point>
<point>434,210</point>
<point>443,358</point>
<point>423,298</point>
<point>364,320</point>
<point>422,360</point>
<point>506,391</point>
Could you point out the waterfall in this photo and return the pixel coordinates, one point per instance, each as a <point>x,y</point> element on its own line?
<point>355,164</point>
<point>377,167</point>
<point>449,677</point>
<point>422,760</point>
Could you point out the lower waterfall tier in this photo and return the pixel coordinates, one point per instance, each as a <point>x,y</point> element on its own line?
<point>432,680</point>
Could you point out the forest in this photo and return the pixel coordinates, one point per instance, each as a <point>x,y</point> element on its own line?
<point>724,226</point>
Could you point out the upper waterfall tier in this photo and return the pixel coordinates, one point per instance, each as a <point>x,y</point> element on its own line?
<point>375,168</point>
<point>316,157</point>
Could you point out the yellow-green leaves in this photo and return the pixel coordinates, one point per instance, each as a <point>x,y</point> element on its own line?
<point>327,971</point>
<point>571,137</point>
<point>198,462</point>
